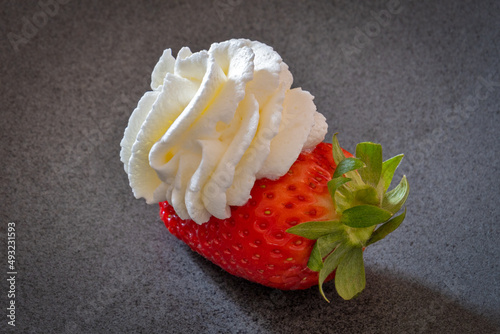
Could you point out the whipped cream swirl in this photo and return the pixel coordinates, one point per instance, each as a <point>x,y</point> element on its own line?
<point>214,122</point>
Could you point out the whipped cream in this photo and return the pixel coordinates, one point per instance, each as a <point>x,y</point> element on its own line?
<point>214,122</point>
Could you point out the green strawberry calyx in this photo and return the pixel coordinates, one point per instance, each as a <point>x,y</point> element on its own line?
<point>366,213</point>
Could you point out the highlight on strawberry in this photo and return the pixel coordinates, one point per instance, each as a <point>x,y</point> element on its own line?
<point>307,227</point>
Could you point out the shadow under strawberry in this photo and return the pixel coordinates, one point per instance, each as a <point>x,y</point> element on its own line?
<point>389,304</point>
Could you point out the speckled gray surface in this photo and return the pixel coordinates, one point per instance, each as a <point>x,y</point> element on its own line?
<point>420,78</point>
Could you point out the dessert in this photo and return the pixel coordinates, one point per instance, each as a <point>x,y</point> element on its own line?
<point>235,158</point>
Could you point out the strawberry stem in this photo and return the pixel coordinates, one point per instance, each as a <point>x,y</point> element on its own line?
<point>366,215</point>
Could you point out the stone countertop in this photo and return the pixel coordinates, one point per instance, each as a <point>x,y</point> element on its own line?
<point>422,79</point>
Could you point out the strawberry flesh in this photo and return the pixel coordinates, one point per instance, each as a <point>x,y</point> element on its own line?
<point>252,243</point>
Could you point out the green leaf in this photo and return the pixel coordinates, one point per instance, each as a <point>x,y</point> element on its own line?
<point>347,165</point>
<point>327,243</point>
<point>367,195</point>
<point>359,188</point>
<point>394,199</point>
<point>338,154</point>
<point>331,262</point>
<point>315,262</point>
<point>371,155</point>
<point>343,199</point>
<point>350,275</point>
<point>387,228</point>
<point>315,229</point>
<point>388,169</point>
<point>364,216</point>
<point>324,246</point>
<point>335,183</point>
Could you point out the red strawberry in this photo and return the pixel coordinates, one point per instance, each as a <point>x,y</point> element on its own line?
<point>257,243</point>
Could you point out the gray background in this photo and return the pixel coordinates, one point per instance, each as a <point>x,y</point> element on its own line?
<point>423,80</point>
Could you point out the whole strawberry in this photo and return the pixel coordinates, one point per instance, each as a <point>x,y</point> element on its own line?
<point>309,225</point>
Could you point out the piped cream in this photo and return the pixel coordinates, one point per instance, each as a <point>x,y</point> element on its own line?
<point>214,122</point>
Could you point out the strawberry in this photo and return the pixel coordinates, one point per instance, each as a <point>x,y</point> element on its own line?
<point>308,226</point>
